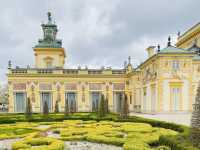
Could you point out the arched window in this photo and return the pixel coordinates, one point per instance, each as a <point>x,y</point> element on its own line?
<point>49,62</point>
<point>175,64</point>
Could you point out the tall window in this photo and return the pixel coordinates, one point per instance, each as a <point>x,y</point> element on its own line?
<point>48,61</point>
<point>46,97</point>
<point>95,100</point>
<point>20,102</point>
<point>194,94</point>
<point>153,98</point>
<point>175,64</point>
<point>175,98</point>
<point>145,99</point>
<point>49,64</point>
<point>70,100</point>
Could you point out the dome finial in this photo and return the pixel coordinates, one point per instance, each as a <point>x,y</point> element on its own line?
<point>169,41</point>
<point>125,64</point>
<point>158,47</point>
<point>129,60</point>
<point>49,17</point>
<point>9,64</point>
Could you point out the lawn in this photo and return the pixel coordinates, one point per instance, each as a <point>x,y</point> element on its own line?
<point>134,133</point>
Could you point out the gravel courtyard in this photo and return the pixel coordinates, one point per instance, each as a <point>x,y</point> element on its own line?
<point>179,118</point>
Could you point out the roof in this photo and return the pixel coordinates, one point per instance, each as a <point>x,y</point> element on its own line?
<point>194,47</point>
<point>193,27</point>
<point>49,39</point>
<point>173,49</point>
<point>188,34</point>
<point>197,57</point>
<point>168,50</point>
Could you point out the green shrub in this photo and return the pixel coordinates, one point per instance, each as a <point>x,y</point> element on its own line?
<point>41,143</point>
<point>66,107</point>
<point>28,112</point>
<point>45,109</point>
<point>7,131</point>
<point>114,134</point>
<point>125,107</point>
<point>136,145</point>
<point>178,142</point>
<point>57,107</point>
<point>163,148</point>
<point>20,146</point>
<point>74,138</point>
<point>106,106</point>
<point>106,140</point>
<point>154,123</point>
<point>136,127</point>
<point>101,108</point>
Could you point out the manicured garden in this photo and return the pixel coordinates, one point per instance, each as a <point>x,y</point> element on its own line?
<point>51,132</point>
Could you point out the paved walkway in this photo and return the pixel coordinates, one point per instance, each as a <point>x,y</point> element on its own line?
<point>183,118</point>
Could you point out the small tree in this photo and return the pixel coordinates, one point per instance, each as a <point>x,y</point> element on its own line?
<point>4,95</point>
<point>125,107</point>
<point>106,106</point>
<point>66,108</point>
<point>195,122</point>
<point>56,107</point>
<point>28,112</point>
<point>45,109</point>
<point>101,111</point>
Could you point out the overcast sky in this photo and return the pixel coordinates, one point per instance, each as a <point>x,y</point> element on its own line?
<point>94,32</point>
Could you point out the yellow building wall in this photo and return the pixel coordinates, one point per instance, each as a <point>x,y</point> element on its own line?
<point>57,55</point>
<point>82,105</point>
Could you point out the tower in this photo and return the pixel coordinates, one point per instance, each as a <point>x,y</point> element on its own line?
<point>49,52</point>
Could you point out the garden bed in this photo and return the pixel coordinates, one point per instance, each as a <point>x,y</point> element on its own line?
<point>123,134</point>
<point>133,133</point>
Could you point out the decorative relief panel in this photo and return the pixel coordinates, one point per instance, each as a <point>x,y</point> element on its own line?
<point>198,69</point>
<point>70,86</point>
<point>83,93</point>
<point>45,86</point>
<point>107,88</point>
<point>32,93</point>
<point>19,86</point>
<point>118,86</point>
<point>95,86</point>
<point>58,93</point>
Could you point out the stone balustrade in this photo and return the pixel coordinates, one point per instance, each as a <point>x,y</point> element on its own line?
<point>67,71</point>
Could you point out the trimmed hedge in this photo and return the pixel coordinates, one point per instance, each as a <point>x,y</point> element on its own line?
<point>13,118</point>
<point>178,142</point>
<point>130,135</point>
<point>41,143</point>
<point>154,123</point>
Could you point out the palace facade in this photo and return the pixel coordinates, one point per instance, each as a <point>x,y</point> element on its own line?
<point>165,82</point>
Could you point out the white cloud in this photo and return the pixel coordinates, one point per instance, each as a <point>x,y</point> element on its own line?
<point>95,32</point>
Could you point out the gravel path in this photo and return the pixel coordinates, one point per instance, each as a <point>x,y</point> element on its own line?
<point>52,135</point>
<point>178,118</point>
<point>7,144</point>
<point>75,145</point>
